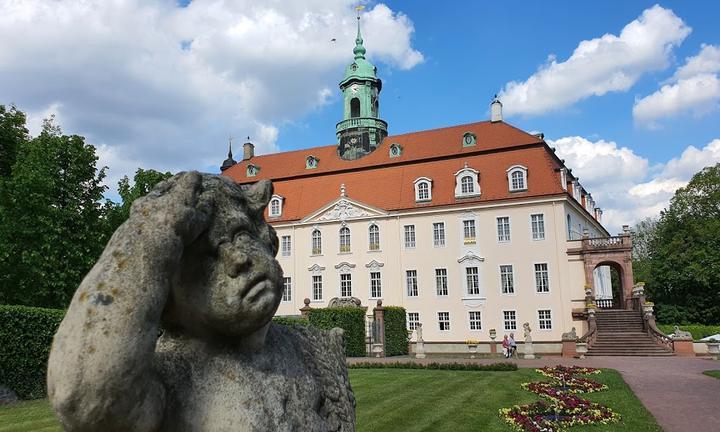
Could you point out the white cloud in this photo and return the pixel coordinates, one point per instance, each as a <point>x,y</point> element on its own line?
<point>622,182</point>
<point>694,88</point>
<point>606,64</point>
<point>161,86</point>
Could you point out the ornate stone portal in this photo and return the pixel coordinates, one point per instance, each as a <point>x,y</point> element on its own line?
<point>197,259</point>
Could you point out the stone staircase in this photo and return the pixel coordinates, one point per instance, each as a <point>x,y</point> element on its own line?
<point>620,333</point>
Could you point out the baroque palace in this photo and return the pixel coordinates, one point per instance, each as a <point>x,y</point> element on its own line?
<point>471,227</point>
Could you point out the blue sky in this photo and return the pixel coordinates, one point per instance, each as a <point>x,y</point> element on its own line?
<point>628,92</point>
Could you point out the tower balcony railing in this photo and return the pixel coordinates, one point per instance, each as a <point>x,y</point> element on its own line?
<point>371,122</point>
<point>614,242</point>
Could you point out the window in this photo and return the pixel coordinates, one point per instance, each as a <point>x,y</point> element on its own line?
<point>286,246</point>
<point>544,319</point>
<point>509,320</point>
<point>395,150</point>
<point>469,139</point>
<point>375,285</point>
<point>311,162</point>
<point>439,234</point>
<point>542,284</point>
<point>537,222</point>
<point>466,185</point>
<point>473,280</point>
<point>409,236</point>
<point>287,289</point>
<point>569,228</point>
<point>469,231</point>
<point>517,178</point>
<point>507,281</point>
<point>317,287</point>
<point>354,107</point>
<point>413,320</point>
<point>444,321</point>
<point>374,238</point>
<point>316,242</point>
<point>345,285</point>
<point>276,204</point>
<point>475,322</point>
<point>411,283</point>
<point>423,189</point>
<point>252,170</point>
<point>503,229</point>
<point>344,240</point>
<point>441,282</point>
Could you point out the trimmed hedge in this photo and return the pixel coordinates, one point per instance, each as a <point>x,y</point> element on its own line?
<point>290,320</point>
<point>497,367</point>
<point>350,319</point>
<point>698,331</point>
<point>26,335</point>
<point>396,334</point>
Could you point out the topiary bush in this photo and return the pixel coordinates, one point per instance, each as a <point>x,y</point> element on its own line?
<point>350,319</point>
<point>26,334</point>
<point>396,334</point>
<point>290,320</point>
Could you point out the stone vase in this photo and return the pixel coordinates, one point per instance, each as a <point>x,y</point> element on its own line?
<point>581,349</point>
<point>713,349</point>
<point>473,350</point>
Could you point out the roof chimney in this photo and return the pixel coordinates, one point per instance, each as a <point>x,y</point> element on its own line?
<point>496,110</point>
<point>598,214</point>
<point>248,150</point>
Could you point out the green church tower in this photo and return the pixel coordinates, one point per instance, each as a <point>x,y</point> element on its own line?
<point>361,131</point>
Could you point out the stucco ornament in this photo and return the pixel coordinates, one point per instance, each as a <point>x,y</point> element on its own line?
<point>344,302</point>
<point>343,210</point>
<point>196,259</point>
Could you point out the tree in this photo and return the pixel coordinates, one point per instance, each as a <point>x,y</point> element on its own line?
<point>685,257</point>
<point>642,237</point>
<point>12,134</point>
<point>51,226</point>
<point>143,182</point>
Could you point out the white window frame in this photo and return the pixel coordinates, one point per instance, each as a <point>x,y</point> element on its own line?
<point>477,321</point>
<point>344,240</point>
<point>427,182</point>
<point>315,285</point>
<point>346,284</point>
<point>443,320</point>
<point>379,284</point>
<point>503,237</point>
<point>510,292</point>
<point>275,207</point>
<point>412,323</point>
<point>439,235</point>
<point>541,320</point>
<point>476,279</point>
<point>547,274</point>
<point>474,175</point>
<point>467,238</point>
<point>541,221</point>
<point>285,246</point>
<point>409,236</point>
<point>373,246</point>
<point>287,289</point>
<point>523,176</point>
<point>563,178</point>
<point>505,320</point>
<point>411,283</point>
<point>316,246</point>
<point>441,282</point>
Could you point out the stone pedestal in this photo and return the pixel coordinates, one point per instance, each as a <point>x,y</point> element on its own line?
<point>713,349</point>
<point>528,351</point>
<point>420,350</point>
<point>569,349</point>
<point>581,349</point>
<point>684,347</point>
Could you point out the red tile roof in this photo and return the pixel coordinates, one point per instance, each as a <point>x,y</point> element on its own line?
<point>387,183</point>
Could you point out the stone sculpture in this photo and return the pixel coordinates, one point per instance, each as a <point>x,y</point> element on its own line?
<point>419,342</point>
<point>344,302</point>
<point>196,259</point>
<point>570,336</point>
<point>681,334</point>
<point>528,350</point>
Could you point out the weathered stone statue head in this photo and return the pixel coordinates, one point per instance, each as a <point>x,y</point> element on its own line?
<point>196,259</point>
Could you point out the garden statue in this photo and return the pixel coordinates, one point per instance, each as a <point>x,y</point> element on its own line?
<point>197,260</point>
<point>419,342</point>
<point>681,334</point>
<point>570,336</point>
<point>528,350</point>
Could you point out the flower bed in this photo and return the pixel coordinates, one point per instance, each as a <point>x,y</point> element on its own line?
<point>563,408</point>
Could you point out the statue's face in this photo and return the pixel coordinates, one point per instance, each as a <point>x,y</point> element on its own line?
<point>230,283</point>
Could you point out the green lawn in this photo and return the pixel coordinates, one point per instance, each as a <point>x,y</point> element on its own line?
<point>420,400</point>
<point>713,373</point>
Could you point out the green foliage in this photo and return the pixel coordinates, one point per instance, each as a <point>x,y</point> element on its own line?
<point>698,331</point>
<point>497,367</point>
<point>396,334</point>
<point>683,274</point>
<point>25,338</point>
<point>12,134</point>
<point>712,373</point>
<point>350,319</point>
<point>143,182</point>
<point>51,219</point>
<point>290,320</point>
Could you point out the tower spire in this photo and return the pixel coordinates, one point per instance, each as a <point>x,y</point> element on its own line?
<point>359,49</point>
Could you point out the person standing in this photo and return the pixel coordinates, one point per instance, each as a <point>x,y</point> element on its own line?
<point>513,345</point>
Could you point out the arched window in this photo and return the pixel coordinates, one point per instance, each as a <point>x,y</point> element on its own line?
<point>276,206</point>
<point>354,107</point>
<point>423,189</point>
<point>517,178</point>
<point>344,240</point>
<point>374,237</point>
<point>316,242</point>
<point>466,185</point>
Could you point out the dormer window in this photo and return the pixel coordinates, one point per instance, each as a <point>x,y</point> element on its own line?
<point>395,150</point>
<point>276,205</point>
<point>423,189</point>
<point>252,170</point>
<point>311,162</point>
<point>467,183</point>
<point>469,139</point>
<point>517,178</point>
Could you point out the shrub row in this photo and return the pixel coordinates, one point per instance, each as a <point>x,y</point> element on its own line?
<point>396,334</point>
<point>290,320</point>
<point>26,335</point>
<point>498,367</point>
<point>350,319</point>
<point>698,331</point>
